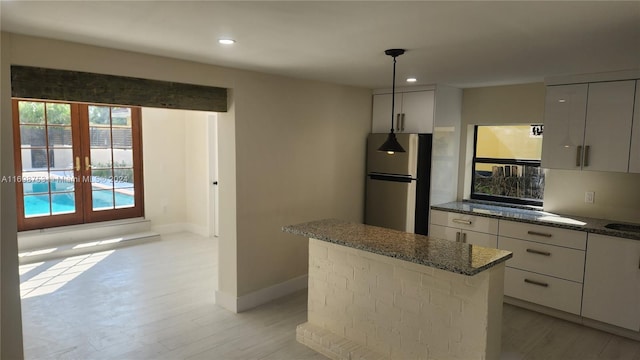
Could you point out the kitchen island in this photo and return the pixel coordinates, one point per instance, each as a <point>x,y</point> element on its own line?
<point>381,293</point>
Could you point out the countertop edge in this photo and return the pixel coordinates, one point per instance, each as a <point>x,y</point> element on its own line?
<point>453,269</point>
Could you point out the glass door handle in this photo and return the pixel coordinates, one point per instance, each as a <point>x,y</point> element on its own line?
<point>87,164</point>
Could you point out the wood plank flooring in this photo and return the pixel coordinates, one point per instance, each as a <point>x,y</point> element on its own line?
<point>155,301</point>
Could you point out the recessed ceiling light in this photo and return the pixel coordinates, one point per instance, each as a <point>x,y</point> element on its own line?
<point>226,41</point>
<point>412,79</point>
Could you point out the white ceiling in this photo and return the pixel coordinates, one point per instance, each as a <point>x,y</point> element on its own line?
<point>464,44</point>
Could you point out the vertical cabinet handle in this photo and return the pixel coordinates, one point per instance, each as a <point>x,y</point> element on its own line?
<point>578,155</point>
<point>464,238</point>
<point>78,163</point>
<point>586,155</point>
<point>458,236</point>
<point>402,117</point>
<point>398,122</point>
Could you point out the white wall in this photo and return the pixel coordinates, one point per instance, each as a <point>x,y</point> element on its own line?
<point>176,163</point>
<point>196,162</point>
<point>290,150</point>
<point>617,194</point>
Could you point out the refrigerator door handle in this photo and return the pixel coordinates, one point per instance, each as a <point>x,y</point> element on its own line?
<point>391,177</point>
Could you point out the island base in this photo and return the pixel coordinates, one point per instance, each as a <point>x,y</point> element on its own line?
<point>369,306</point>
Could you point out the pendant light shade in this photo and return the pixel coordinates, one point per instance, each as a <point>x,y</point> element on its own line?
<point>392,146</point>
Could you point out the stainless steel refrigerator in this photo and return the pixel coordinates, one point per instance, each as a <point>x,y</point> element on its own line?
<point>398,184</point>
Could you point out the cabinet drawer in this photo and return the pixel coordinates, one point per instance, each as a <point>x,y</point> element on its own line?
<point>544,234</point>
<point>546,259</point>
<point>545,290</point>
<point>464,221</point>
<point>469,237</point>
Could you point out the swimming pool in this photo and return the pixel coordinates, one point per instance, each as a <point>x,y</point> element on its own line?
<point>64,202</point>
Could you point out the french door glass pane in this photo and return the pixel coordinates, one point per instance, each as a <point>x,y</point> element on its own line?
<point>62,181</point>
<point>33,135</point>
<point>63,203</point>
<point>123,158</point>
<point>124,198</point>
<point>99,116</point>
<point>100,137</point>
<point>59,135</point>
<point>31,112</point>
<point>61,159</point>
<point>122,138</point>
<point>35,182</point>
<point>102,199</point>
<point>37,205</point>
<point>58,114</point>
<point>121,116</point>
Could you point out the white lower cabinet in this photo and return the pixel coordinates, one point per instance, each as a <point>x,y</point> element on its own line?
<point>475,230</point>
<point>595,276</point>
<point>544,290</point>
<point>547,267</point>
<point>612,281</point>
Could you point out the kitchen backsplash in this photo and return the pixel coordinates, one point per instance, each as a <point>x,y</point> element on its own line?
<point>617,195</point>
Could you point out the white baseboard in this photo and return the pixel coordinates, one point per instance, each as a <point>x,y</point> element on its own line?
<point>227,301</point>
<point>198,229</point>
<point>180,227</point>
<point>262,296</point>
<point>75,234</point>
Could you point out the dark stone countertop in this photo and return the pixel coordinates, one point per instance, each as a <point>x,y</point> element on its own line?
<point>538,217</point>
<point>446,255</point>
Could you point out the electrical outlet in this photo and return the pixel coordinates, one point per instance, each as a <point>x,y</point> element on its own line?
<point>589,197</point>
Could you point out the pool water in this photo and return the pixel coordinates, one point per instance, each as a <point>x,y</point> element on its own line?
<point>65,202</point>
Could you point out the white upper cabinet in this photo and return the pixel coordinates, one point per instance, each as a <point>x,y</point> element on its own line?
<point>634,155</point>
<point>588,126</point>
<point>607,133</point>
<point>564,119</point>
<point>413,112</point>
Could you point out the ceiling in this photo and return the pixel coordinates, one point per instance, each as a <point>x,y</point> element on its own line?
<point>465,44</point>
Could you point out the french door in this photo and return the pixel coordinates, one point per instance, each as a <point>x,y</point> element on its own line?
<point>76,163</point>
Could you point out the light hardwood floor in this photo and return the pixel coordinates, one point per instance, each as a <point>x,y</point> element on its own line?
<point>155,301</point>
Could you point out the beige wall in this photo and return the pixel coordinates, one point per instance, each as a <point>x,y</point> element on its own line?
<point>290,150</point>
<point>301,156</point>
<point>10,313</point>
<point>617,195</point>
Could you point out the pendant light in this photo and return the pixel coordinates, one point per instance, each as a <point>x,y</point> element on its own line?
<point>392,146</point>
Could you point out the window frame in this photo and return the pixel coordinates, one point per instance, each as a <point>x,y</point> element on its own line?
<point>498,198</point>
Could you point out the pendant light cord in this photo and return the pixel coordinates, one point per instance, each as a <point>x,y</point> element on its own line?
<point>393,94</point>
